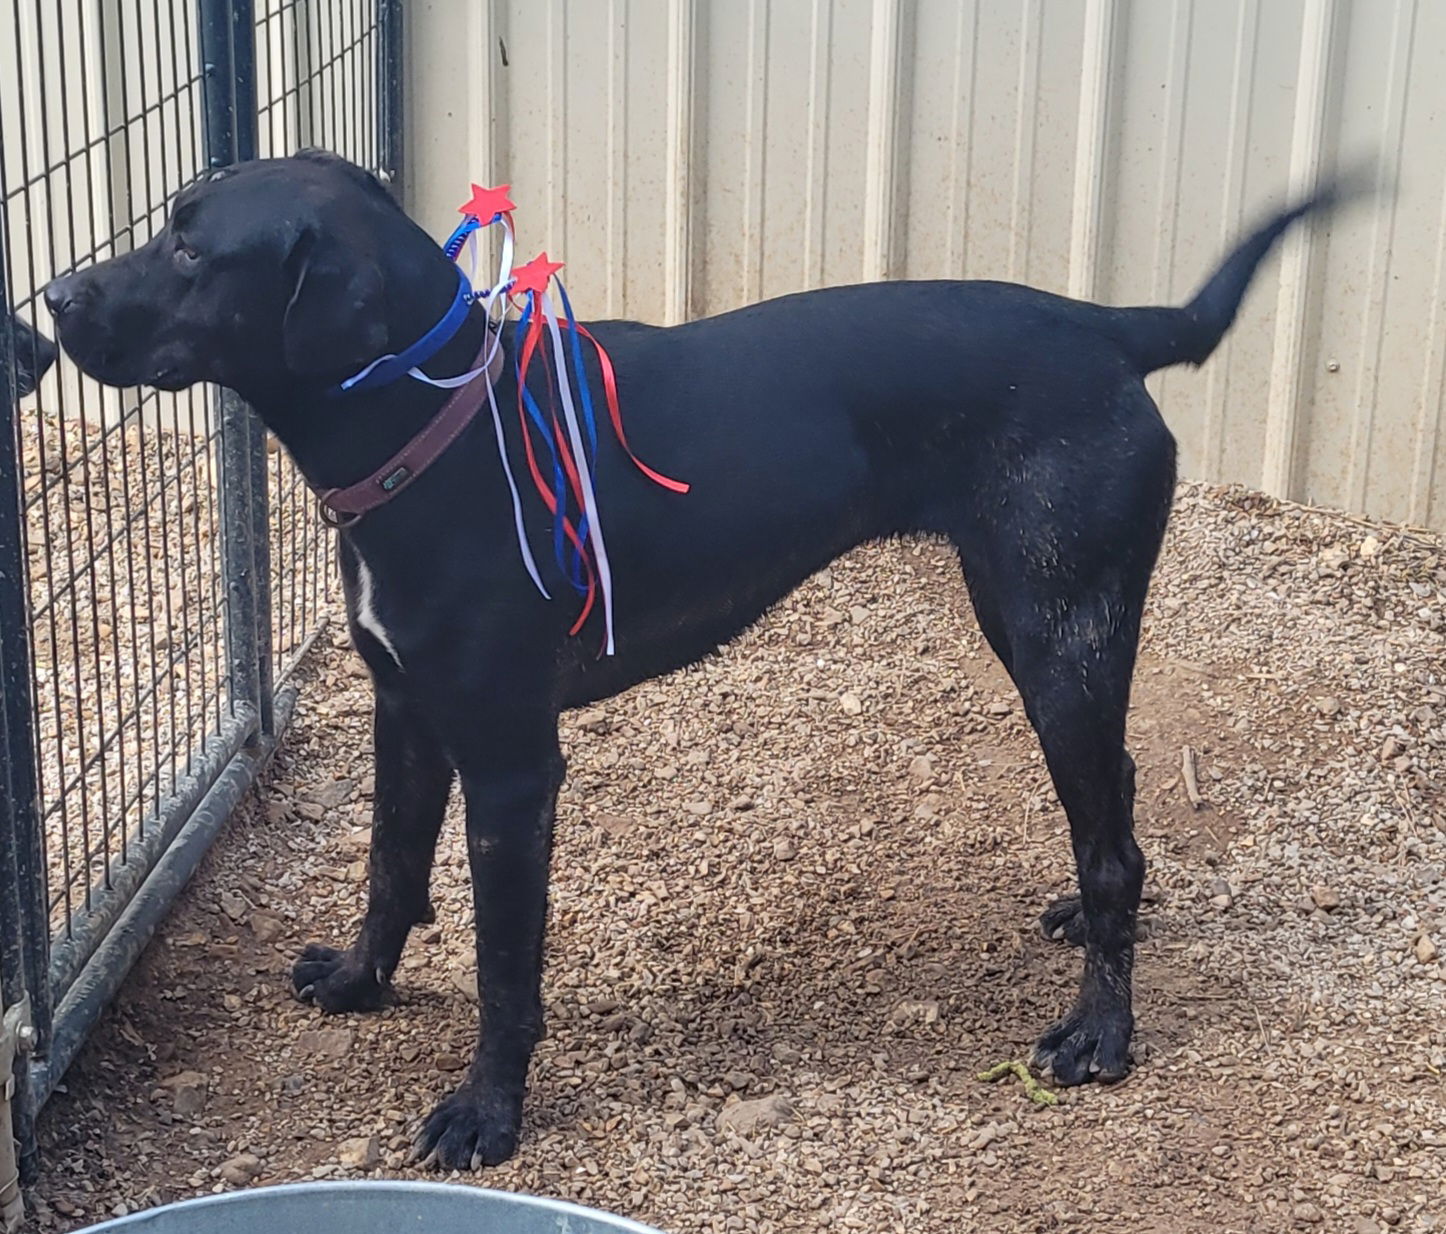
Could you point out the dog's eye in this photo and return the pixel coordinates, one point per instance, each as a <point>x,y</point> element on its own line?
<point>186,256</point>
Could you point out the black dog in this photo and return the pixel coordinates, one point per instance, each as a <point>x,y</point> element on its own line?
<point>1013,422</point>
<point>31,352</point>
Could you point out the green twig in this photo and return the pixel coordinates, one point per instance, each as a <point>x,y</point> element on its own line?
<point>1033,1089</point>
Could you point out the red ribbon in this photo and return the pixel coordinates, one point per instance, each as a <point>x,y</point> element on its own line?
<point>610,385</point>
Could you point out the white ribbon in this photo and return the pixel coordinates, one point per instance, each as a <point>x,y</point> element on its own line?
<point>589,499</point>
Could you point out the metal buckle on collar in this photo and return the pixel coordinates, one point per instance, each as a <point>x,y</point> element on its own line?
<point>334,519</point>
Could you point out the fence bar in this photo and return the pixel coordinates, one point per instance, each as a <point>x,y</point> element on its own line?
<point>108,900</point>
<point>228,51</point>
<point>390,92</point>
<point>88,998</point>
<point>218,94</point>
<point>24,920</point>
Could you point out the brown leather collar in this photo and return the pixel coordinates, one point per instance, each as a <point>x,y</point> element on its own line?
<point>341,507</point>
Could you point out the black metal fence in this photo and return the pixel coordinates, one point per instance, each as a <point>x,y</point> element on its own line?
<point>161,571</point>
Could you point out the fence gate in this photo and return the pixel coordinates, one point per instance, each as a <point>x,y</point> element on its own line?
<point>161,572</point>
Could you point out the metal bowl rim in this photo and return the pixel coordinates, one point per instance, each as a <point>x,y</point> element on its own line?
<point>561,1208</point>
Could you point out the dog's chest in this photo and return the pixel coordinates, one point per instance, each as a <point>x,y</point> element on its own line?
<point>367,606</point>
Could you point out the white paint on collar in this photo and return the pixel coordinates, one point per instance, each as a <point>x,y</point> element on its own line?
<point>366,614</point>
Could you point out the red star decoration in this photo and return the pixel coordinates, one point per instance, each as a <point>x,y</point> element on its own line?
<point>487,204</point>
<point>534,276</point>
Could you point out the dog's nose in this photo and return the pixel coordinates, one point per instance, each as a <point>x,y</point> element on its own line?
<point>61,294</point>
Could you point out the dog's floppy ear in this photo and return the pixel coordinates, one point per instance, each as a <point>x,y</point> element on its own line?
<point>335,321</point>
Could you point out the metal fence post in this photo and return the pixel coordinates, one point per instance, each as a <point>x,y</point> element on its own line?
<point>390,92</point>
<point>228,54</point>
<point>243,63</point>
<point>24,913</point>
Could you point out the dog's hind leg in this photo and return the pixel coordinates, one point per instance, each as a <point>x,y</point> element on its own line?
<point>1063,920</point>
<point>413,781</point>
<point>1059,573</point>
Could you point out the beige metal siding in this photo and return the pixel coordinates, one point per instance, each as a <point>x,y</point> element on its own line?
<point>687,156</point>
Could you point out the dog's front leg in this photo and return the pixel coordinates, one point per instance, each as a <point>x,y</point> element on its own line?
<point>510,778</point>
<point>413,781</point>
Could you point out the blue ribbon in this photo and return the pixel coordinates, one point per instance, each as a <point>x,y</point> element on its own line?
<point>393,368</point>
<point>570,568</point>
<point>459,237</point>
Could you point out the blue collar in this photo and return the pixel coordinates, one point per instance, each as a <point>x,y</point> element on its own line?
<point>390,368</point>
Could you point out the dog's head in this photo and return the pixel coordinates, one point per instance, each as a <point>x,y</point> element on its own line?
<point>272,275</point>
<point>32,353</point>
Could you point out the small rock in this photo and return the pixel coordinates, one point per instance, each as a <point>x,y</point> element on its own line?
<point>615,825</point>
<point>592,720</point>
<point>293,1084</point>
<point>747,1118</point>
<point>360,1154</point>
<point>1370,546</point>
<point>1328,706</point>
<point>190,1102</point>
<point>334,794</point>
<point>998,708</point>
<point>1221,893</point>
<point>1308,1214</point>
<point>915,1011</point>
<point>783,849</point>
<point>465,980</point>
<point>851,704</point>
<point>922,768</point>
<point>330,1042</point>
<point>233,905</point>
<point>741,805</point>
<point>1425,949</point>
<point>241,1169</point>
<point>1325,899</point>
<point>267,927</point>
<point>450,1062</point>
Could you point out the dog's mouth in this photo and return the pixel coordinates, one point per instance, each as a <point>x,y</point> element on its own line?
<point>113,366</point>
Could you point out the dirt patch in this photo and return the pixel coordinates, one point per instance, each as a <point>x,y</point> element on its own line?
<point>809,870</point>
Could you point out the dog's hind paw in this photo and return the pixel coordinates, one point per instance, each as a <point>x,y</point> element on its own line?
<point>469,1130</point>
<point>1084,1047</point>
<point>336,982</point>
<point>1064,922</point>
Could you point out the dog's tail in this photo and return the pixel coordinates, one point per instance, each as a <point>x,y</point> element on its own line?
<point>1156,338</point>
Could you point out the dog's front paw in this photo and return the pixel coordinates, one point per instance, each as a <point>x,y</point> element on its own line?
<point>470,1129</point>
<point>1063,921</point>
<point>336,981</point>
<point>1087,1046</point>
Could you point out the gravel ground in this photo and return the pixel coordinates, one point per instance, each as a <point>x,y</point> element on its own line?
<point>793,918</point>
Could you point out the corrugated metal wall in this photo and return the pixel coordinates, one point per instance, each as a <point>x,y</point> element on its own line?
<point>687,156</point>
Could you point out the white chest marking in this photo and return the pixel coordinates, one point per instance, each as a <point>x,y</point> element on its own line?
<point>366,615</point>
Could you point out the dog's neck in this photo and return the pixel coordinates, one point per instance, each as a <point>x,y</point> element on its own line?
<point>338,439</point>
